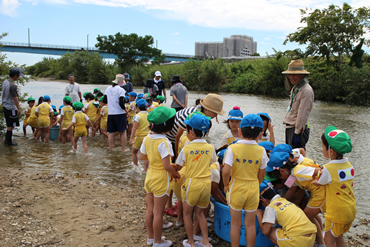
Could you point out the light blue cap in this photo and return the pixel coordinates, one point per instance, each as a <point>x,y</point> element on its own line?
<point>53,106</point>
<point>126,98</point>
<point>282,148</point>
<point>268,146</point>
<point>140,95</point>
<point>221,154</point>
<point>264,114</point>
<point>235,114</point>
<point>252,120</point>
<point>142,103</point>
<point>277,160</point>
<point>46,97</point>
<point>60,107</point>
<point>264,186</point>
<point>133,94</point>
<point>199,122</point>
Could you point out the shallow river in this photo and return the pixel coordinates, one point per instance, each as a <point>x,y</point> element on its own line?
<point>56,158</point>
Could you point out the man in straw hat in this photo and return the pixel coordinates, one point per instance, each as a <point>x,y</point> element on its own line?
<point>297,130</point>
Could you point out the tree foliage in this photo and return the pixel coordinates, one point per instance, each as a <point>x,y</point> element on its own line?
<point>332,32</point>
<point>130,49</point>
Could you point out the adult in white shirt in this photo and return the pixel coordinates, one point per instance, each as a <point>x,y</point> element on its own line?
<point>73,89</point>
<point>117,119</point>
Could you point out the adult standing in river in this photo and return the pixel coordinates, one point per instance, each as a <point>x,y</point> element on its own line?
<point>11,105</point>
<point>117,120</point>
<point>73,89</point>
<point>179,94</point>
<point>297,131</point>
<point>160,84</point>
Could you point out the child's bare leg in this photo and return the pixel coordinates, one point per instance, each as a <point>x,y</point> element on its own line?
<point>272,235</point>
<point>93,132</point>
<point>87,129</point>
<point>250,228</point>
<point>149,201</point>
<point>199,215</point>
<point>236,223</point>
<point>146,165</point>
<point>123,139</point>
<point>188,216</point>
<point>42,134</point>
<point>134,152</point>
<point>158,209</point>
<point>83,139</point>
<point>70,133</point>
<point>74,142</point>
<point>24,129</point>
<point>169,202</point>
<point>330,240</point>
<point>46,134</point>
<point>64,136</point>
<point>339,241</point>
<point>311,213</point>
<point>180,215</point>
<point>104,133</point>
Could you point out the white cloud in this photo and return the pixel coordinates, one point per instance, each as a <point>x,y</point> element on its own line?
<point>177,33</point>
<point>9,7</point>
<point>267,38</point>
<point>35,3</point>
<point>267,15</point>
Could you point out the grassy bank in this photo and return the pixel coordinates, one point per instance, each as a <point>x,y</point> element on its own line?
<point>342,83</point>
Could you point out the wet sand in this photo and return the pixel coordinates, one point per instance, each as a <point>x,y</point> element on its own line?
<point>75,210</point>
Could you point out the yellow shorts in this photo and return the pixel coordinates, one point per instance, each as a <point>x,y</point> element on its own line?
<point>65,124</point>
<point>317,199</point>
<point>103,125</point>
<point>286,241</point>
<point>179,183</point>
<point>25,121</point>
<point>138,140</point>
<point>32,122</point>
<point>92,119</point>
<point>243,194</point>
<point>80,131</point>
<point>43,122</point>
<point>336,229</point>
<point>196,192</point>
<point>158,182</point>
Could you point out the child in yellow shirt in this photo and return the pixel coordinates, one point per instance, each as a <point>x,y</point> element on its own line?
<point>337,176</point>
<point>44,113</point>
<point>27,112</point>
<point>151,105</point>
<point>157,149</point>
<point>79,120</point>
<point>90,109</point>
<point>297,230</point>
<point>103,116</point>
<point>233,123</point>
<point>140,129</point>
<point>198,155</point>
<point>66,119</point>
<point>246,162</point>
<point>160,100</point>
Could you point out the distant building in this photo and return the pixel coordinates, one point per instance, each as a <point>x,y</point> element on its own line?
<point>236,45</point>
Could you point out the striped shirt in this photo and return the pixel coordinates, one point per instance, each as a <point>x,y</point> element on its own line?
<point>179,121</point>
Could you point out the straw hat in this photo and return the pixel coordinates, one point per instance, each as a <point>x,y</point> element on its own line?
<point>214,103</point>
<point>119,78</point>
<point>296,67</point>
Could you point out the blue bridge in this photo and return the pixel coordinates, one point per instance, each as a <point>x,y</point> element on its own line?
<point>61,50</point>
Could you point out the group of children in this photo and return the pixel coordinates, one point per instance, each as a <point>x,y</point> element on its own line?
<point>285,190</point>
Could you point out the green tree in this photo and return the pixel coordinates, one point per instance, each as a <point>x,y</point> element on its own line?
<point>130,49</point>
<point>332,32</point>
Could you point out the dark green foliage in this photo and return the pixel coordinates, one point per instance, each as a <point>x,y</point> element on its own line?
<point>130,49</point>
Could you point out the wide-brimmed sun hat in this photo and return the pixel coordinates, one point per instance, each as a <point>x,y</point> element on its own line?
<point>214,103</point>
<point>296,67</point>
<point>119,78</point>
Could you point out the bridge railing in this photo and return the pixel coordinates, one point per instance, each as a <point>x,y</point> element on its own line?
<point>65,47</point>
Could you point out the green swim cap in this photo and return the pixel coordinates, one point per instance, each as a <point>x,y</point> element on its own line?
<point>160,115</point>
<point>67,99</point>
<point>84,95</point>
<point>78,105</point>
<point>161,98</point>
<point>338,140</point>
<point>30,99</point>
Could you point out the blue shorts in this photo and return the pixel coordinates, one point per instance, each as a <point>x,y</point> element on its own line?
<point>116,123</point>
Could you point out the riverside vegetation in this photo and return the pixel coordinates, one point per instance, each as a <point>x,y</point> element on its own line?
<point>331,82</point>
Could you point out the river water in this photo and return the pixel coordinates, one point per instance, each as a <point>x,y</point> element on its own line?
<point>105,166</point>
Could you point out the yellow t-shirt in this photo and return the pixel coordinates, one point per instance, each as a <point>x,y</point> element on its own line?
<point>152,107</point>
<point>198,159</point>
<point>92,111</point>
<point>104,114</point>
<point>28,109</point>
<point>44,111</point>
<point>247,161</point>
<point>67,116</point>
<point>184,140</point>
<point>143,127</point>
<point>292,219</point>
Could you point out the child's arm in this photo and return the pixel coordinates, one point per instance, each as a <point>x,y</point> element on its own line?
<point>90,124</point>
<point>217,194</point>
<point>56,122</point>
<point>271,131</point>
<point>69,126</point>
<point>98,119</point>
<point>37,112</point>
<point>133,131</point>
<point>26,113</point>
<point>261,175</point>
<point>168,167</point>
<point>143,156</point>
<point>226,176</point>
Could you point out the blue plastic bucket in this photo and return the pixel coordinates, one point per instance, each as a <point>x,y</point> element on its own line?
<point>54,133</point>
<point>222,226</point>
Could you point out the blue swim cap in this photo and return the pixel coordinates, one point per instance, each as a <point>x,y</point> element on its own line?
<point>60,107</point>
<point>277,160</point>
<point>46,98</point>
<point>252,120</point>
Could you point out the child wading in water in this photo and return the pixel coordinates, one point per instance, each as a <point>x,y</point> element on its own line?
<point>79,120</point>
<point>233,123</point>
<point>27,112</point>
<point>246,162</point>
<point>337,176</point>
<point>158,182</point>
<point>66,118</point>
<point>196,190</point>
<point>44,112</point>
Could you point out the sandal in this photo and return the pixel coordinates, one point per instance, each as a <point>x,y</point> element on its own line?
<point>171,212</point>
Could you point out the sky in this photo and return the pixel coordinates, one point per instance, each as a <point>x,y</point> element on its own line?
<point>175,24</point>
